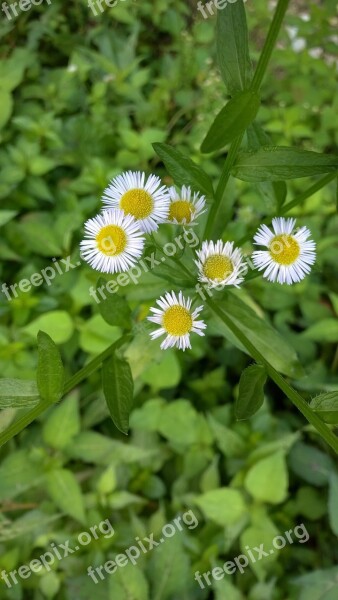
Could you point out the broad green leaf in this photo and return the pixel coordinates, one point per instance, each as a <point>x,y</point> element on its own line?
<point>18,473</point>
<point>166,373</point>
<point>268,341</point>
<point>50,374</point>
<point>65,491</point>
<point>333,502</point>
<point>274,192</point>
<point>128,582</point>
<point>233,48</point>
<point>118,388</point>
<point>183,170</point>
<point>326,405</point>
<point>325,330</point>
<point>113,309</point>
<point>225,506</point>
<point>57,323</point>
<point>6,216</point>
<point>231,121</point>
<point>261,532</point>
<point>6,103</point>
<point>267,480</point>
<point>251,392</point>
<point>169,570</point>
<point>18,393</point>
<point>228,441</point>
<point>178,422</point>
<point>273,163</point>
<point>63,423</point>
<point>311,464</point>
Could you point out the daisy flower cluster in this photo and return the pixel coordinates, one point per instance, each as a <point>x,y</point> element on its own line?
<point>134,206</point>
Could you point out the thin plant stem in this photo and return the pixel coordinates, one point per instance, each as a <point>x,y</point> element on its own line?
<point>288,390</point>
<point>80,376</point>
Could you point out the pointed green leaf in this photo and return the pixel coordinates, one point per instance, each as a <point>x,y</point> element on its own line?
<point>233,47</point>
<point>65,491</point>
<point>129,582</point>
<point>113,308</point>
<point>267,480</point>
<point>63,423</point>
<point>50,371</point>
<point>231,121</point>
<point>225,506</point>
<point>326,405</point>
<point>251,392</point>
<point>169,570</point>
<point>183,170</point>
<point>118,388</point>
<point>18,393</point>
<point>273,163</point>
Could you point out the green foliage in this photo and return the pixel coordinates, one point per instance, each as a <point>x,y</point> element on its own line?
<point>251,392</point>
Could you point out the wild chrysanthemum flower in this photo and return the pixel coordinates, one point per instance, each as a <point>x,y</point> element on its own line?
<point>185,206</point>
<point>289,256</point>
<point>220,264</point>
<point>176,320</point>
<point>113,242</point>
<point>146,200</point>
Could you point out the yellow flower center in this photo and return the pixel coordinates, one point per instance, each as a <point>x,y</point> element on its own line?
<point>284,249</point>
<point>218,267</point>
<point>111,240</point>
<point>177,320</point>
<point>138,203</point>
<point>181,210</point>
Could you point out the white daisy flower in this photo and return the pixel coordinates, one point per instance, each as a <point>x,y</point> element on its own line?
<point>185,206</point>
<point>220,264</point>
<point>113,242</point>
<point>289,256</point>
<point>147,201</point>
<point>176,320</point>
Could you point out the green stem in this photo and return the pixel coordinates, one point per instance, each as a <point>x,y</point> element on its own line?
<point>289,391</point>
<point>90,368</point>
<point>255,86</point>
<point>298,200</point>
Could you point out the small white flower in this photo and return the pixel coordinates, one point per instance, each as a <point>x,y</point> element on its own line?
<point>289,256</point>
<point>146,200</point>
<point>185,207</point>
<point>220,264</point>
<point>113,242</point>
<point>176,320</point>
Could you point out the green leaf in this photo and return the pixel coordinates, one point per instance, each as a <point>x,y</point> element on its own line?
<point>263,531</point>
<point>183,170</point>
<point>18,393</point>
<point>57,323</point>
<point>179,423</point>
<point>273,163</point>
<point>326,405</point>
<point>268,341</point>
<point>169,570</point>
<point>233,48</point>
<point>18,473</point>
<point>225,506</point>
<point>50,374</point>
<point>333,502</point>
<point>62,424</point>
<point>118,388</point>
<point>128,582</point>
<point>113,309</point>
<point>251,392</point>
<point>267,480</point>
<point>311,464</point>
<point>231,121</point>
<point>64,490</point>
<point>325,330</point>
<point>7,215</point>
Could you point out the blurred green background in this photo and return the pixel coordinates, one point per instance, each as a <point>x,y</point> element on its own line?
<point>82,98</point>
